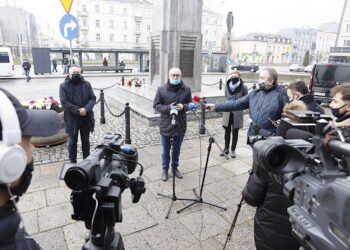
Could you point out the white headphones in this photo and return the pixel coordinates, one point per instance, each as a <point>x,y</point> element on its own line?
<point>13,158</point>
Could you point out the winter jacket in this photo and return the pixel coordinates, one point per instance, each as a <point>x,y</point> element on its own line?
<point>11,236</point>
<point>262,104</point>
<point>26,65</point>
<point>311,104</point>
<point>272,229</point>
<point>240,91</point>
<point>76,96</point>
<point>166,95</point>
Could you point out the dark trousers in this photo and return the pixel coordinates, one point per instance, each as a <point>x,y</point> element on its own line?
<point>85,142</point>
<point>228,134</point>
<point>166,146</point>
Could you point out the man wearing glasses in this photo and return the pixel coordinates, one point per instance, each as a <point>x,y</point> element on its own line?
<point>171,102</point>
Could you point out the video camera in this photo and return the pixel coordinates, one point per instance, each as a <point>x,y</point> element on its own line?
<point>316,177</point>
<point>97,183</point>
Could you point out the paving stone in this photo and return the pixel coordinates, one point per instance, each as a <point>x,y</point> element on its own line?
<point>30,220</point>
<point>145,198</point>
<point>219,173</point>
<point>204,224</point>
<point>32,201</point>
<point>136,242</point>
<point>51,240</point>
<point>208,244</point>
<point>43,182</point>
<point>55,216</point>
<point>246,213</point>
<point>58,195</point>
<point>176,236</point>
<point>237,167</point>
<point>75,235</point>
<point>223,189</point>
<point>51,169</point>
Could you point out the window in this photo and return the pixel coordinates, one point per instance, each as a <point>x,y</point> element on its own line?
<point>125,11</point>
<point>206,43</point>
<point>137,26</point>
<point>111,38</point>
<point>97,8</point>
<point>207,20</point>
<point>125,26</point>
<point>98,37</point>
<point>346,43</point>
<point>84,8</point>
<point>148,27</point>
<point>148,39</point>
<point>110,9</point>
<point>97,23</point>
<point>216,21</point>
<point>84,22</point>
<point>214,43</point>
<point>137,40</point>
<point>125,38</point>
<point>111,24</point>
<point>348,28</point>
<point>85,37</point>
<point>206,32</point>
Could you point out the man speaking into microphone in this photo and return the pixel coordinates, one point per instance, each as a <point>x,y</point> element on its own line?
<point>171,102</point>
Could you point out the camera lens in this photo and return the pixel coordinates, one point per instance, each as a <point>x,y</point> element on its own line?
<point>76,179</point>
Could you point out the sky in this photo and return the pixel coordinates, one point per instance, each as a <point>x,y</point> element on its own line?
<point>267,16</point>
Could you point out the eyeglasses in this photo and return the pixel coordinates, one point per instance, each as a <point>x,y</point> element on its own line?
<point>175,75</point>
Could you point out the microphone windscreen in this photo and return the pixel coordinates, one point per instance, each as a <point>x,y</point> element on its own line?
<point>191,106</point>
<point>294,133</point>
<point>196,98</point>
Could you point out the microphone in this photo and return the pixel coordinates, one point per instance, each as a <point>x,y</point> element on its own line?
<point>191,106</point>
<point>173,113</point>
<point>196,98</point>
<point>294,133</point>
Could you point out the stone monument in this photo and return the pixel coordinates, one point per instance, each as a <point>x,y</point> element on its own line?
<point>176,41</point>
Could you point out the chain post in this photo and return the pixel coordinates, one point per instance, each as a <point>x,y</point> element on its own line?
<point>123,81</point>
<point>220,84</point>
<point>127,124</point>
<point>202,126</point>
<point>102,100</point>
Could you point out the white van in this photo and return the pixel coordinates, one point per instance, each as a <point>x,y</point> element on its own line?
<point>6,63</point>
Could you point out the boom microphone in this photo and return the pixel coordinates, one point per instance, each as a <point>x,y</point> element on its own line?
<point>298,134</point>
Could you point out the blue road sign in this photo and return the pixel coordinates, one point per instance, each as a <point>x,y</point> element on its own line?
<point>69,27</point>
<point>228,60</point>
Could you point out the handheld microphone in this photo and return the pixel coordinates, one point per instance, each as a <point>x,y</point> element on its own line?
<point>191,106</point>
<point>173,113</point>
<point>196,98</point>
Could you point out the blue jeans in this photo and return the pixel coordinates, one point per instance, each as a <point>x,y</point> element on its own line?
<point>27,75</point>
<point>85,143</point>
<point>166,146</point>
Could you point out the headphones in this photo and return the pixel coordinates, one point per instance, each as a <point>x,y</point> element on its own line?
<point>13,159</point>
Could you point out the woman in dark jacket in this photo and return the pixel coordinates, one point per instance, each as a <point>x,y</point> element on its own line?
<point>272,229</point>
<point>233,121</point>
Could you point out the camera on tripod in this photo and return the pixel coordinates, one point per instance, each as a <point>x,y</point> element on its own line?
<point>97,183</point>
<point>315,176</point>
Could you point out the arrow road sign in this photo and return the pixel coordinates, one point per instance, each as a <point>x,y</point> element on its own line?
<point>69,27</point>
<point>67,4</point>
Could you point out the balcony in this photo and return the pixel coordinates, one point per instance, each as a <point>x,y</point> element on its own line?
<point>137,32</point>
<point>340,49</point>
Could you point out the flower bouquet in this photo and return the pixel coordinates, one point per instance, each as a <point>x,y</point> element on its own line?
<point>44,103</point>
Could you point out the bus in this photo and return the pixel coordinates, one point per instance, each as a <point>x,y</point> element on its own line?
<point>6,63</point>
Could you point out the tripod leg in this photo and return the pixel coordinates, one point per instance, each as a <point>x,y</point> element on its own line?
<point>233,222</point>
<point>179,211</point>
<point>171,205</point>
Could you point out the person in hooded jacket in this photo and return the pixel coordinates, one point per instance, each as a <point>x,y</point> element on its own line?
<point>233,121</point>
<point>172,97</point>
<point>78,100</point>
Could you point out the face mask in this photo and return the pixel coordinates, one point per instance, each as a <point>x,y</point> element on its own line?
<point>76,78</point>
<point>234,79</point>
<point>175,82</point>
<point>22,187</point>
<point>335,111</point>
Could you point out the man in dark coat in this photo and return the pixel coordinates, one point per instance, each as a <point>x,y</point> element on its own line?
<point>172,98</point>
<point>265,104</point>
<point>17,164</point>
<point>298,90</point>
<point>26,67</point>
<point>233,121</point>
<point>54,65</point>
<point>78,101</point>
<point>272,229</point>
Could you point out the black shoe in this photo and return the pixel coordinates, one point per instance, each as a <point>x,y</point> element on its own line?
<point>164,175</point>
<point>225,152</point>
<point>73,161</point>
<point>178,174</point>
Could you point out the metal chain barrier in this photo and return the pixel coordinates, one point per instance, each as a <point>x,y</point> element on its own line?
<point>110,111</point>
<point>137,113</point>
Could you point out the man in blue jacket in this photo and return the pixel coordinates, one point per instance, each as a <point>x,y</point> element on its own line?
<point>265,104</point>
<point>78,100</point>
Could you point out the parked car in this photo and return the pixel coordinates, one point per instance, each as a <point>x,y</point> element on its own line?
<point>246,67</point>
<point>324,77</point>
<point>308,68</point>
<point>296,68</point>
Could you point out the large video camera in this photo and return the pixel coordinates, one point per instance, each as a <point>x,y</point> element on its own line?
<point>316,177</point>
<point>97,183</point>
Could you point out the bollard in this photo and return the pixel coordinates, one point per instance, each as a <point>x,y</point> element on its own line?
<point>127,124</point>
<point>102,100</point>
<point>202,126</point>
<point>122,80</point>
<point>220,84</point>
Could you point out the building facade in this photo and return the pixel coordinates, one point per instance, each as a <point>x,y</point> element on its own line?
<point>212,30</point>
<point>262,48</point>
<point>325,39</point>
<point>303,39</point>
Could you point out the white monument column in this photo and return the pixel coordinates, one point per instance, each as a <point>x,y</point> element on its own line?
<point>176,41</point>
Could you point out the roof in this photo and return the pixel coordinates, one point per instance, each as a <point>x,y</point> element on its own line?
<point>253,36</point>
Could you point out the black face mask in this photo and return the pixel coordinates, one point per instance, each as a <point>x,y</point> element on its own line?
<point>234,80</point>
<point>76,78</point>
<point>26,178</point>
<point>335,111</point>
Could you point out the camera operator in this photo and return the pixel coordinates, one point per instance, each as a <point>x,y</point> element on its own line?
<point>340,105</point>
<point>264,104</point>
<point>298,90</point>
<point>31,123</point>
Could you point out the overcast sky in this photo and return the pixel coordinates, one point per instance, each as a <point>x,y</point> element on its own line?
<point>249,15</point>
